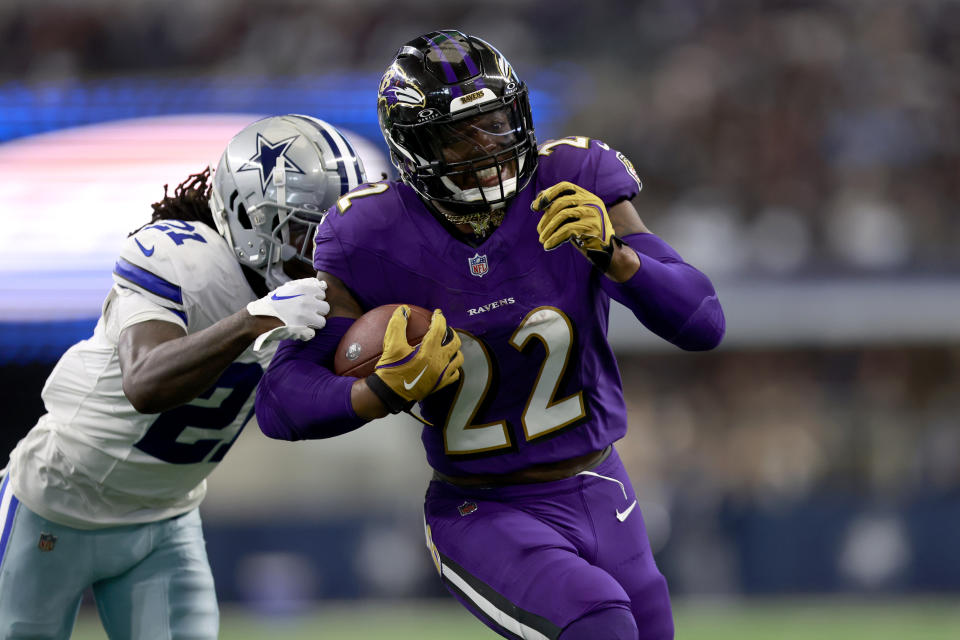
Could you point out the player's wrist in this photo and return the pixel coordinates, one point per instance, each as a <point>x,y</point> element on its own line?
<point>256,325</point>
<point>366,404</point>
<point>624,261</point>
<point>393,401</point>
<point>601,255</point>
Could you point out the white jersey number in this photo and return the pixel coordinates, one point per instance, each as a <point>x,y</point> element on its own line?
<point>204,429</point>
<point>543,413</point>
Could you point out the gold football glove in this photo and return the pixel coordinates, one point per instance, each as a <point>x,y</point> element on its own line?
<point>572,213</point>
<point>404,374</point>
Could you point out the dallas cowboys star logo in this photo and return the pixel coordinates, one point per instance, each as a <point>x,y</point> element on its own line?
<point>267,156</point>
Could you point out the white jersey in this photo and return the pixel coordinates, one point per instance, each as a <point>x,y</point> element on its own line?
<point>92,460</point>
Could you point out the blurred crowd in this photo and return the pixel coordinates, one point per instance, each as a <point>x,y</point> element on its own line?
<point>798,469</point>
<point>786,138</point>
<point>810,137</point>
<point>780,425</point>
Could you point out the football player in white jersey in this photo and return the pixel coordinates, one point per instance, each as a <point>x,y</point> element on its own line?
<point>104,491</point>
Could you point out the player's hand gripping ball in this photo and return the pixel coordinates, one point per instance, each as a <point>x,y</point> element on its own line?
<point>404,352</point>
<point>362,345</point>
<point>570,212</point>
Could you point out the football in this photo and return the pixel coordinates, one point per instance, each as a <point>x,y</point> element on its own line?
<point>362,345</point>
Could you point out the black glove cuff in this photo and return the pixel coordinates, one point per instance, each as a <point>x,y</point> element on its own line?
<point>390,398</point>
<point>601,258</point>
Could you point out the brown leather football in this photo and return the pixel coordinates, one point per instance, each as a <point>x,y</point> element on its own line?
<point>362,345</point>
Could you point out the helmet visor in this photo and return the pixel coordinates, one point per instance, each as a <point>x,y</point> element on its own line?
<point>477,158</point>
<point>481,151</point>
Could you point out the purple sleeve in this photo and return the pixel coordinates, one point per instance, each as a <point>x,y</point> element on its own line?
<point>615,179</point>
<point>670,297</point>
<point>329,254</point>
<point>299,396</point>
<point>597,168</point>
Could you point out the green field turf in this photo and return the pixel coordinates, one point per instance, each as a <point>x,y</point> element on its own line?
<point>791,619</point>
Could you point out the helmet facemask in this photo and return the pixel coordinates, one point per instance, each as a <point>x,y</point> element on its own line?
<point>273,239</point>
<point>480,161</point>
<point>457,121</point>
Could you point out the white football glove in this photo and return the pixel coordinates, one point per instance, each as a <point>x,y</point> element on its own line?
<point>300,304</point>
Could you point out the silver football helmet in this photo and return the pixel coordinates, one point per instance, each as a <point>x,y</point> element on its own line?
<point>273,185</point>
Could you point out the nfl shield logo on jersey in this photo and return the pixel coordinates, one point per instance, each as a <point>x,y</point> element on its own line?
<point>46,542</point>
<point>478,265</point>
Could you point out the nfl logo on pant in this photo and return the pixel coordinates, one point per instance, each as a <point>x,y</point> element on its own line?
<point>467,508</point>
<point>46,542</point>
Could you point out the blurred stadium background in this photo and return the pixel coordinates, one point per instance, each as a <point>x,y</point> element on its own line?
<point>802,481</point>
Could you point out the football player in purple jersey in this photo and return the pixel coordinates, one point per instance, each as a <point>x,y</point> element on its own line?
<point>530,517</point>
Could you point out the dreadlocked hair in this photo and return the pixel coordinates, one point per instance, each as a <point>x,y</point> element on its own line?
<point>189,202</point>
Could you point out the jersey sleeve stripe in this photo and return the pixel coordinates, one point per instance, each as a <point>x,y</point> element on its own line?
<point>180,314</point>
<point>160,302</point>
<point>8,508</point>
<point>148,281</point>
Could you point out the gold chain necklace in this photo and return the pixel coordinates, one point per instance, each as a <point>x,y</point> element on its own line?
<point>481,223</point>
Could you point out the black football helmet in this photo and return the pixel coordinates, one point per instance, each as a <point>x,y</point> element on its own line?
<point>457,121</point>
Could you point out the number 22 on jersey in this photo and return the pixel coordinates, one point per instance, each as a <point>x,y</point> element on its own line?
<point>543,413</point>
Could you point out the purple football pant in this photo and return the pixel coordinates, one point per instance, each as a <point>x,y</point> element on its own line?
<point>528,560</point>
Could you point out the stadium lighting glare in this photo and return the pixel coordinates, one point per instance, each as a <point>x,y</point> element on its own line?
<point>69,198</point>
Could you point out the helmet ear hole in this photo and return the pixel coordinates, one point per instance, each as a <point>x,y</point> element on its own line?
<point>243,218</point>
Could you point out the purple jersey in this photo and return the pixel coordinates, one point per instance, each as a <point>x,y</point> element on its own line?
<point>539,380</point>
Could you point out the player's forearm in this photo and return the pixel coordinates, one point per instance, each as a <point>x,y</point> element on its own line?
<point>176,371</point>
<point>626,221</point>
<point>365,402</point>
<point>624,263</point>
<point>301,400</point>
<point>671,298</point>
<point>299,397</point>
